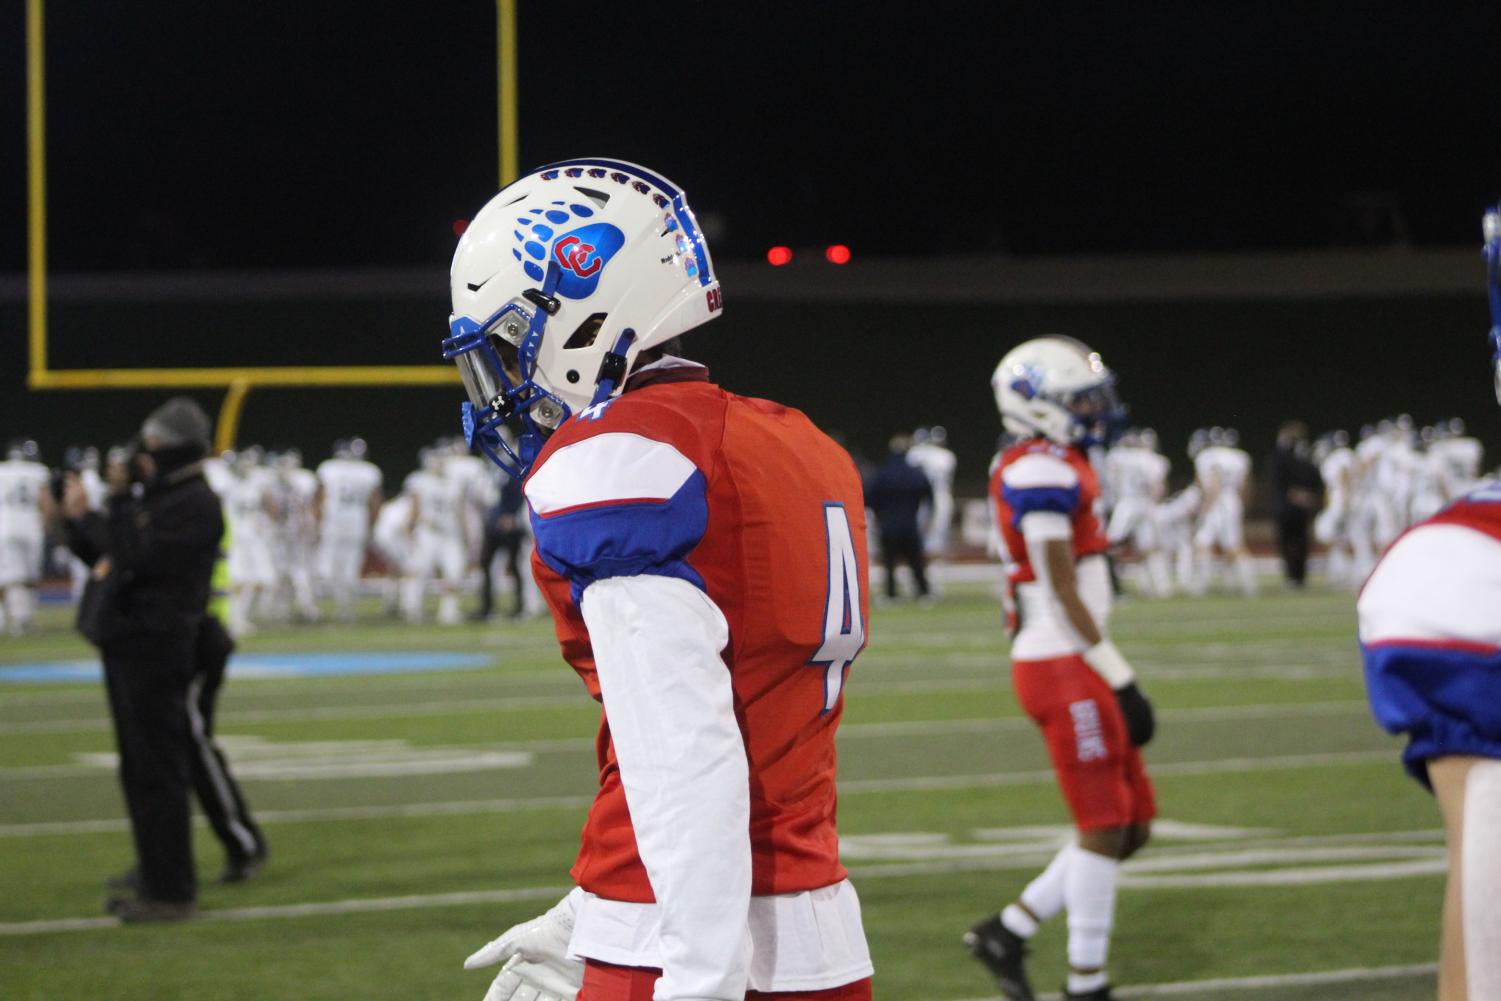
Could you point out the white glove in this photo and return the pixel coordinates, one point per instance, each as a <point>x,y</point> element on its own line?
<point>536,956</point>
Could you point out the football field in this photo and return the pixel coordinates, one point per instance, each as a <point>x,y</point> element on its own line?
<point>417,808</point>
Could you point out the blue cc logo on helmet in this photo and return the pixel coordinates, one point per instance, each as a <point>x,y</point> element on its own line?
<point>582,255</point>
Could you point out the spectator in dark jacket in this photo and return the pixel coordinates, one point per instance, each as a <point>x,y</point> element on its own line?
<point>152,553</point>
<point>1297,494</point>
<point>895,493</point>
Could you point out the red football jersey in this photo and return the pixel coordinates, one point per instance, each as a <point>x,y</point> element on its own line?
<point>1039,475</point>
<point>770,523</point>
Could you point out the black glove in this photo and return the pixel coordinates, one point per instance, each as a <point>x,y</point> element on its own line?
<point>1137,709</point>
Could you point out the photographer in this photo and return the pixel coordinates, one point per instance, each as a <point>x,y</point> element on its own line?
<point>151,552</point>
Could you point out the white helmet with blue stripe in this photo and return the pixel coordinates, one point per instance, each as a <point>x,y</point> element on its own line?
<point>560,281</point>
<point>1057,388</point>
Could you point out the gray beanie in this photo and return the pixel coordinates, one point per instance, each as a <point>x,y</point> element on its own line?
<point>178,423</point>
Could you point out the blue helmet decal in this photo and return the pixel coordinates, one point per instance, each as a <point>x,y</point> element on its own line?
<point>582,254</point>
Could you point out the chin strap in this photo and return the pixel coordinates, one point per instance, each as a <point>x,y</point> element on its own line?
<point>612,368</point>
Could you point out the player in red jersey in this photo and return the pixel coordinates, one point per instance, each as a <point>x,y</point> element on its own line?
<point>1069,677</point>
<point>704,558</point>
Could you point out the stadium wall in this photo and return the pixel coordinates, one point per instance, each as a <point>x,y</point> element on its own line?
<point>870,349</point>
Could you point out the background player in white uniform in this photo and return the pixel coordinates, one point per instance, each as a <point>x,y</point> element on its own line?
<point>1331,528</point>
<point>930,453</point>
<point>251,506</point>
<point>1432,485</point>
<point>1138,475</point>
<point>392,538</point>
<point>440,543</point>
<point>349,495</point>
<point>1431,640</point>
<point>1223,473</point>
<point>297,534</point>
<point>1463,454</point>
<point>26,506</point>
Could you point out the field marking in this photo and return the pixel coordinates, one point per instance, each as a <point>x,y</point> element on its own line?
<point>1351,975</point>
<point>358,905</point>
<point>849,731</point>
<point>437,900</point>
<point>856,787</point>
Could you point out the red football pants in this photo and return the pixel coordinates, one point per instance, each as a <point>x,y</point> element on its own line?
<point>608,982</point>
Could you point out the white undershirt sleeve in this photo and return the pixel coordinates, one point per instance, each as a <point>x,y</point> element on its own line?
<point>667,695</point>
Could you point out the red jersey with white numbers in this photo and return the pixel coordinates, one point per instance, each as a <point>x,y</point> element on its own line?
<point>748,501</point>
<point>1039,475</point>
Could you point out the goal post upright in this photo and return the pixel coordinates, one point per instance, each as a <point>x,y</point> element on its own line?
<point>238,381</point>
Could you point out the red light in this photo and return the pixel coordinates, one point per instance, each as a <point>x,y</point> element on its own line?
<point>459,225</point>
<point>778,256</point>
<point>837,254</point>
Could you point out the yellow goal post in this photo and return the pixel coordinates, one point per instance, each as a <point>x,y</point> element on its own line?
<point>238,381</point>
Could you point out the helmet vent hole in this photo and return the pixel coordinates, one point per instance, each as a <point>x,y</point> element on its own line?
<point>599,198</point>
<point>586,334</point>
<point>573,375</point>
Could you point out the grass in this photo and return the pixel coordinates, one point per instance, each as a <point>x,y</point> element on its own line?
<point>1326,857</point>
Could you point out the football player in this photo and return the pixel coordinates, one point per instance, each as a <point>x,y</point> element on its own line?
<point>1223,472</point>
<point>1139,473</point>
<point>703,555</point>
<point>349,497</point>
<point>440,539</point>
<point>298,532</point>
<point>931,454</point>
<point>26,507</point>
<point>1069,677</point>
<point>250,503</point>
<point>1431,641</point>
<point>1336,461</point>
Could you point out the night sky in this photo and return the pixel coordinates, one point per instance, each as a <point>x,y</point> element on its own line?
<point>332,133</point>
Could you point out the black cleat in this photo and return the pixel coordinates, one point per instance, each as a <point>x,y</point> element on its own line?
<point>128,881</point>
<point>240,870</point>
<point>1004,954</point>
<point>145,910</point>
<point>1098,994</point>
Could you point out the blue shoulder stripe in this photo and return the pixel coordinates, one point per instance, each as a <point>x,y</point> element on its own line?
<point>626,539</point>
<point>1025,500</point>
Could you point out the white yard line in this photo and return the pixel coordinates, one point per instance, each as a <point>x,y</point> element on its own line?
<point>932,783</point>
<point>1353,975</point>
<point>355,906</point>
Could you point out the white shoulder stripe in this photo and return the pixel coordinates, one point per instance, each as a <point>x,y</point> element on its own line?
<point>1038,469</point>
<point>1439,583</point>
<point>608,467</point>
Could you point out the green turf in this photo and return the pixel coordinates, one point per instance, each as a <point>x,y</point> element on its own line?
<point>1263,728</point>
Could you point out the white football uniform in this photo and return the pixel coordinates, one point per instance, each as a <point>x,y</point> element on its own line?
<point>247,501</point>
<point>21,530</point>
<point>1223,473</point>
<point>1463,456</point>
<point>344,532</point>
<point>439,543</point>
<point>937,464</point>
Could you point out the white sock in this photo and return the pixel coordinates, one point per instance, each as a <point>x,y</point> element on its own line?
<point>1089,897</point>
<point>1247,574</point>
<point>1481,873</point>
<point>1044,895</point>
<point>18,597</point>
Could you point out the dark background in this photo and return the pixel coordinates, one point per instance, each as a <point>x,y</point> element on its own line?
<point>213,136</point>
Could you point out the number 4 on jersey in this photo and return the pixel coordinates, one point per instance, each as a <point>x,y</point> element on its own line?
<point>843,627</point>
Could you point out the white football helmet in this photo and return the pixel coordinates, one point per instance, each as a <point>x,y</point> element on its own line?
<point>558,284</point>
<point>1058,388</point>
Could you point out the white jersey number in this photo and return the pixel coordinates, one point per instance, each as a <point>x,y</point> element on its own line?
<point>843,628</point>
